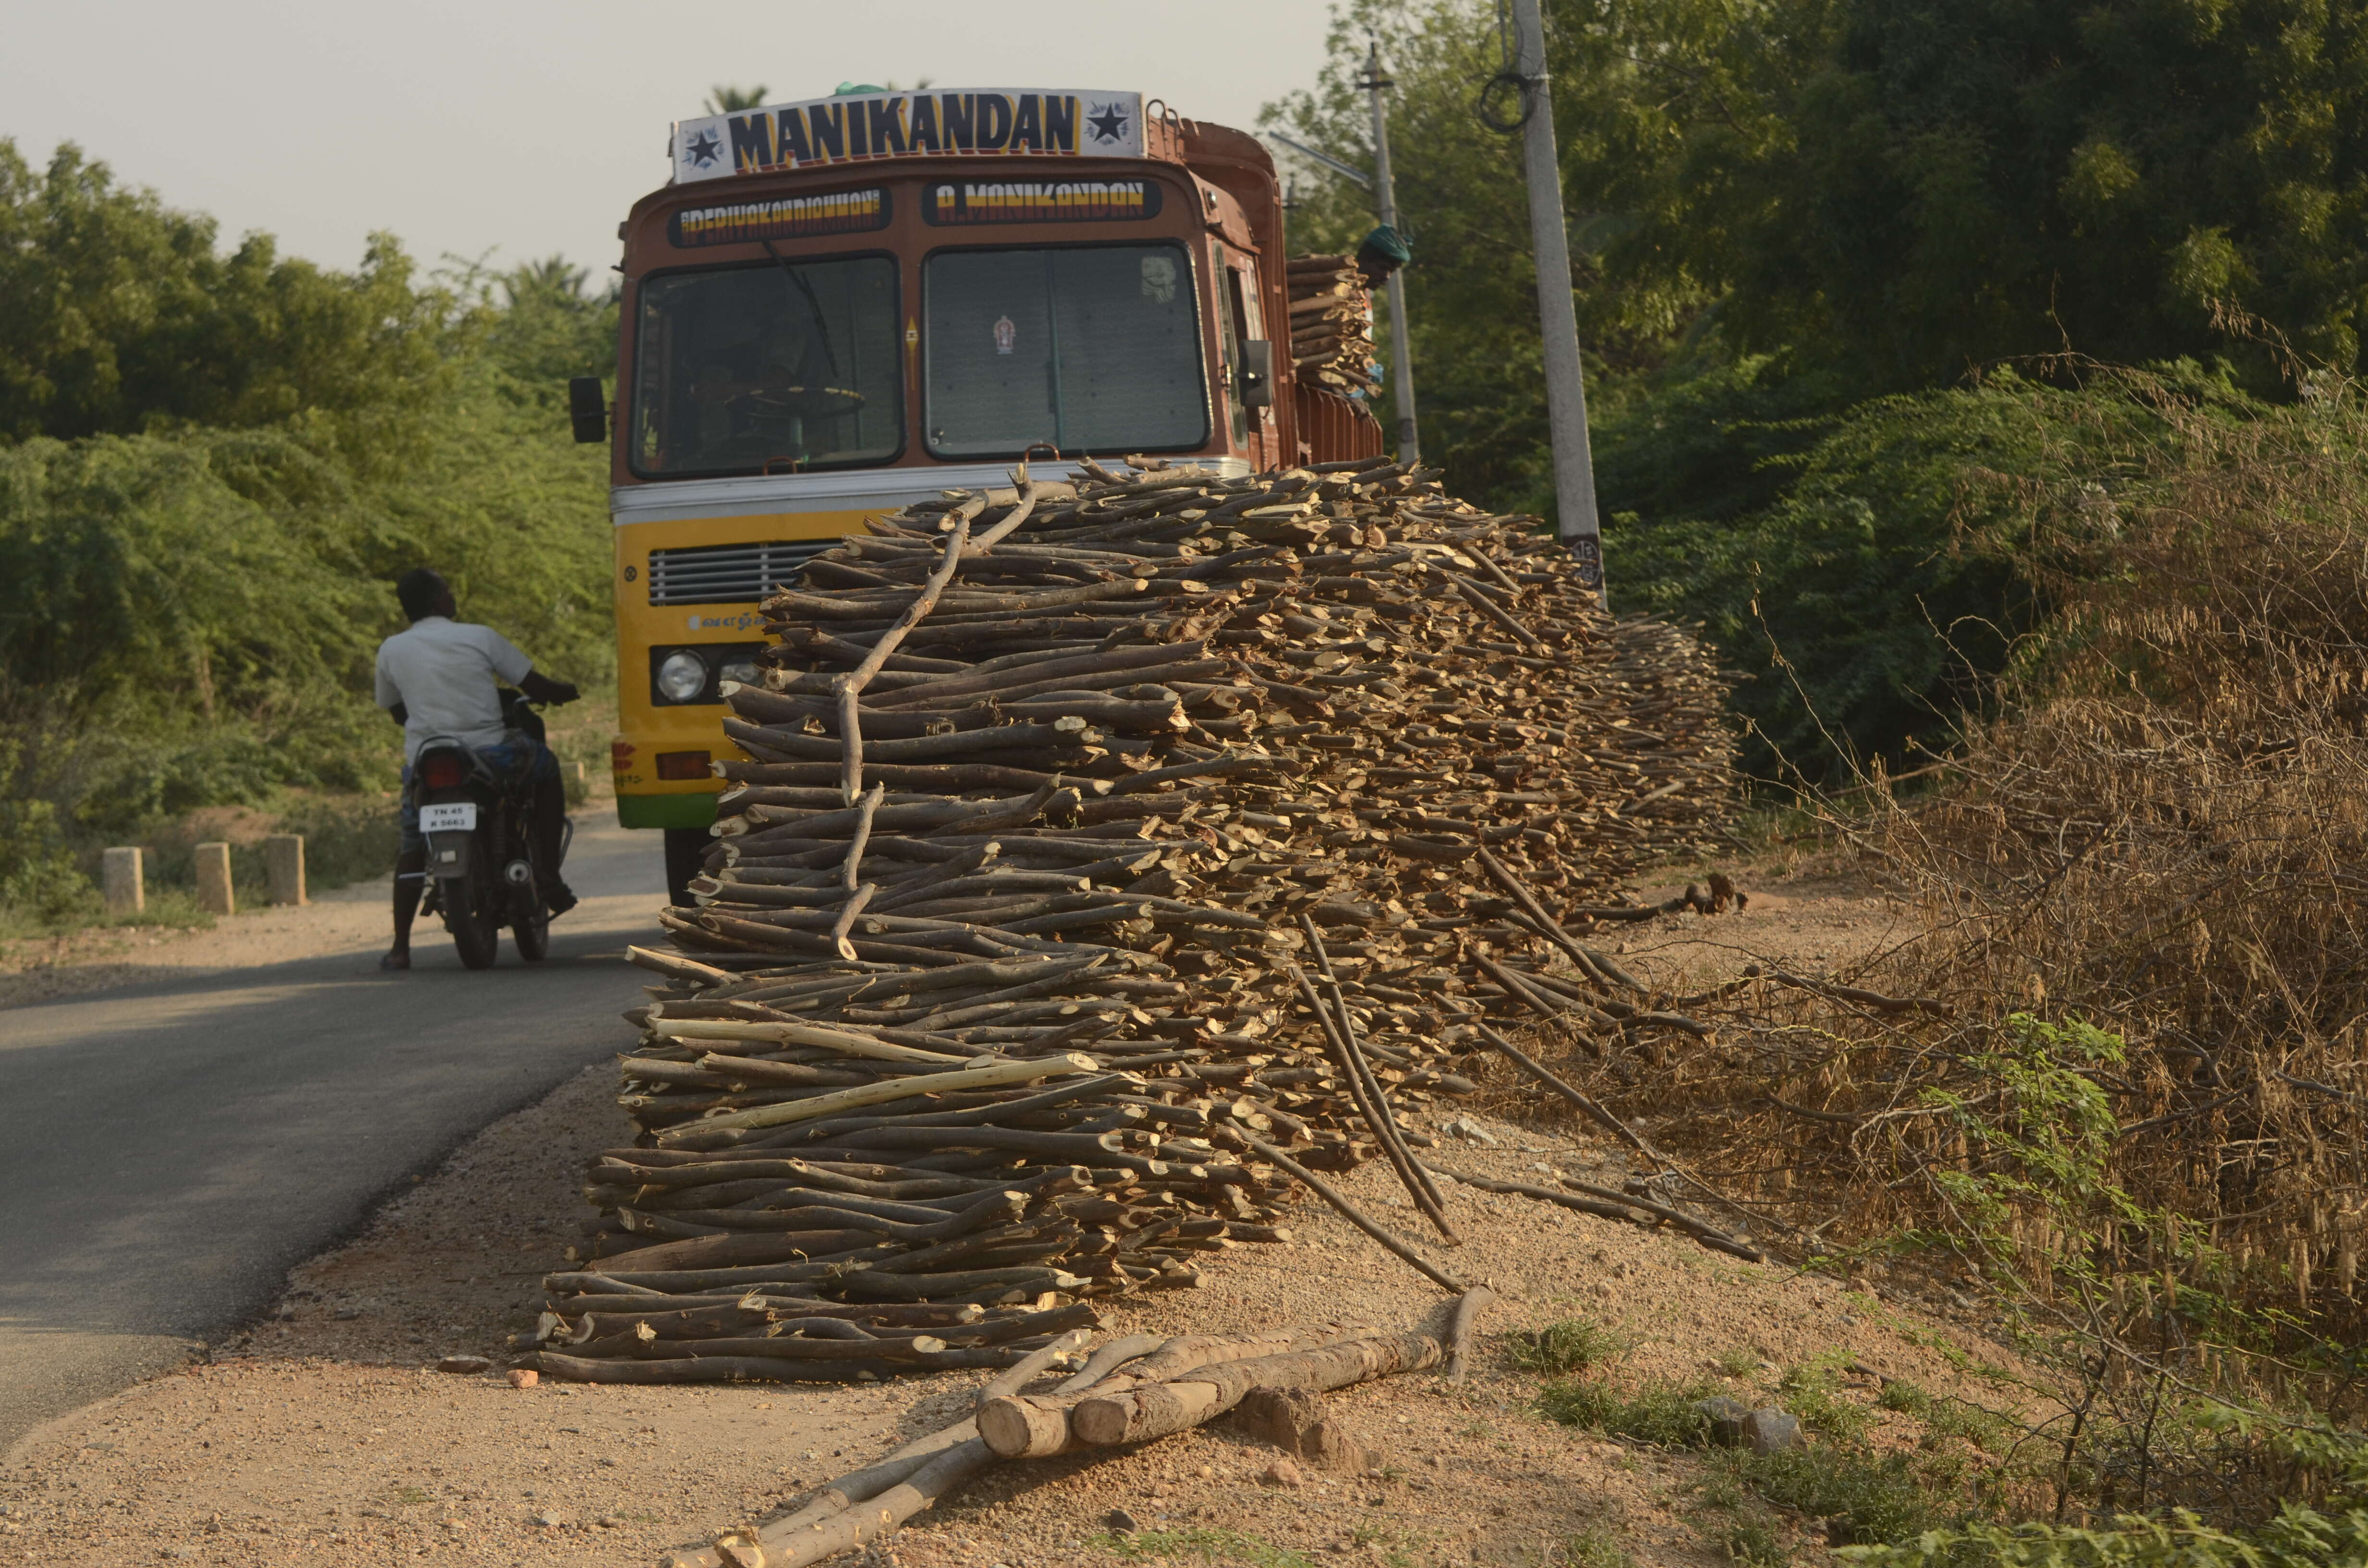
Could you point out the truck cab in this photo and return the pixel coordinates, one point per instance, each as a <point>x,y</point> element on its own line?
<point>836,307</point>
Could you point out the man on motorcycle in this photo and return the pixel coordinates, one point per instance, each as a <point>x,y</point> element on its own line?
<point>438,678</point>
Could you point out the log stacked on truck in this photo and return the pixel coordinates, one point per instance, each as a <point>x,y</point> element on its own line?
<point>1332,322</point>
<point>997,1005</point>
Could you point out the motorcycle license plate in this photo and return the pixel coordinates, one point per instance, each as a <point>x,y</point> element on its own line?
<point>456,816</point>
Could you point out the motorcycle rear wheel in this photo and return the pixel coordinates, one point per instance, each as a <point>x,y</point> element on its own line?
<point>530,925</point>
<point>473,914</point>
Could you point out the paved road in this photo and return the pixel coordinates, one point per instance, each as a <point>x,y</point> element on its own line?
<point>172,1149</point>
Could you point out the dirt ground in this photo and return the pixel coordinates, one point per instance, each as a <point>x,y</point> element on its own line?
<point>323,1433</point>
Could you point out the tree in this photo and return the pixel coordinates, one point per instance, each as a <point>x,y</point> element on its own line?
<point>122,316</point>
<point>1963,182</point>
<point>546,325</point>
<point>734,101</point>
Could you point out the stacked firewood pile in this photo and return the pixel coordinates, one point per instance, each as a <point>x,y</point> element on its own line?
<point>1331,323</point>
<point>997,994</point>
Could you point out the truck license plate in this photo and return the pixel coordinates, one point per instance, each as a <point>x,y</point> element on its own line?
<point>458,816</point>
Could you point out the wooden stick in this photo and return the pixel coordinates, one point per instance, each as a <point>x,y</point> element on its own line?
<point>1709,1235</point>
<point>1591,1108</point>
<point>1389,1128</point>
<point>1585,957</point>
<point>1459,1334</point>
<point>1016,1378</point>
<point>673,966</point>
<point>1018,514</point>
<point>1037,1426</point>
<point>1488,606</point>
<point>845,1041</point>
<point>1522,991</point>
<point>1349,1212</point>
<point>1160,1410</point>
<point>858,899</point>
<point>851,686</point>
<point>993,1074</point>
<point>1374,1115</point>
<point>861,837</point>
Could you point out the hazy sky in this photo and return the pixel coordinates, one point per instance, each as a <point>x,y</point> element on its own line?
<point>533,126</point>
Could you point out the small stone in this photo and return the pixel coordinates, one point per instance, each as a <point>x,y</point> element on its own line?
<point>549,1521</point>
<point>1284,1471</point>
<point>1327,1446</point>
<point>468,1366</point>
<point>1771,1431</point>
<point>347,1314</point>
<point>1728,1420</point>
<point>1122,1521</point>
<point>609,1521</point>
<point>1278,1416</point>
<point>524,1377</point>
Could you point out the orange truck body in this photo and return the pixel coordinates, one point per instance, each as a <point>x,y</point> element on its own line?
<point>839,307</point>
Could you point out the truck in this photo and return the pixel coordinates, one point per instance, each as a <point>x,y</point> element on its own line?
<point>839,306</point>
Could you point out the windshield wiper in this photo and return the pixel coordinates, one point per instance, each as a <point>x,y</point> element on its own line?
<point>821,327</point>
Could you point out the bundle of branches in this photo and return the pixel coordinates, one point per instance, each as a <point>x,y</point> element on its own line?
<point>1332,322</point>
<point>992,994</point>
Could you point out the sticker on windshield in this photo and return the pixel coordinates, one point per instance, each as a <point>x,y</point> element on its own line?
<point>1007,335</point>
<point>787,218</point>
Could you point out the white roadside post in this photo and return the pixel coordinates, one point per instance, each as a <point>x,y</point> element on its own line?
<point>122,881</point>
<point>1574,463</point>
<point>215,894</point>
<point>283,866</point>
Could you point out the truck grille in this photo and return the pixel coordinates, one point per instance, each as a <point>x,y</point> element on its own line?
<point>728,574</point>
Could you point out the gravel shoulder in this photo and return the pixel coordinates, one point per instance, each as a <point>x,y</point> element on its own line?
<point>320,1431</point>
<point>43,969</point>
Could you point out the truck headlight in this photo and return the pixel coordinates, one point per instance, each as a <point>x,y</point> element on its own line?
<point>682,677</point>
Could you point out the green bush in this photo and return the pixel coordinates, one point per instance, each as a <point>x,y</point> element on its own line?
<point>1659,1413</point>
<point>1862,1496</point>
<point>2298,1538</point>
<point>1573,1345</point>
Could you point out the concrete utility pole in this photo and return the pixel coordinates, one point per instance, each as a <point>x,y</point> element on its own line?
<point>1385,198</point>
<point>1574,463</point>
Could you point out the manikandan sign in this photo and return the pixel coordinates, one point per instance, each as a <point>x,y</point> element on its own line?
<point>867,127</point>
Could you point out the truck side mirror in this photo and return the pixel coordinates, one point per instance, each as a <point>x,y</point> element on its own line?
<point>1258,373</point>
<point>587,410</point>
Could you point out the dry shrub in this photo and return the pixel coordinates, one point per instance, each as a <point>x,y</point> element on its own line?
<point>2139,1104</point>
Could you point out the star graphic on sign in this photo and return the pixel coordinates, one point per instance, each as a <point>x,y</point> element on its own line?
<point>1109,123</point>
<point>704,149</point>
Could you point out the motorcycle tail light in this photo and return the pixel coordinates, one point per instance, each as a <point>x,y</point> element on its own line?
<point>443,771</point>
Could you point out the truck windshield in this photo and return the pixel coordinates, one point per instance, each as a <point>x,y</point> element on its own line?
<point>777,366</point>
<point>1091,347</point>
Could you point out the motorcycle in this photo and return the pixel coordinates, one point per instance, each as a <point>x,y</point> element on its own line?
<point>482,874</point>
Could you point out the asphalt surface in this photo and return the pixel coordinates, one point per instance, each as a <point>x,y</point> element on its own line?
<point>172,1149</point>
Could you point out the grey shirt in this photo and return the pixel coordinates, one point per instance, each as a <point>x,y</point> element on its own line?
<point>443,672</point>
